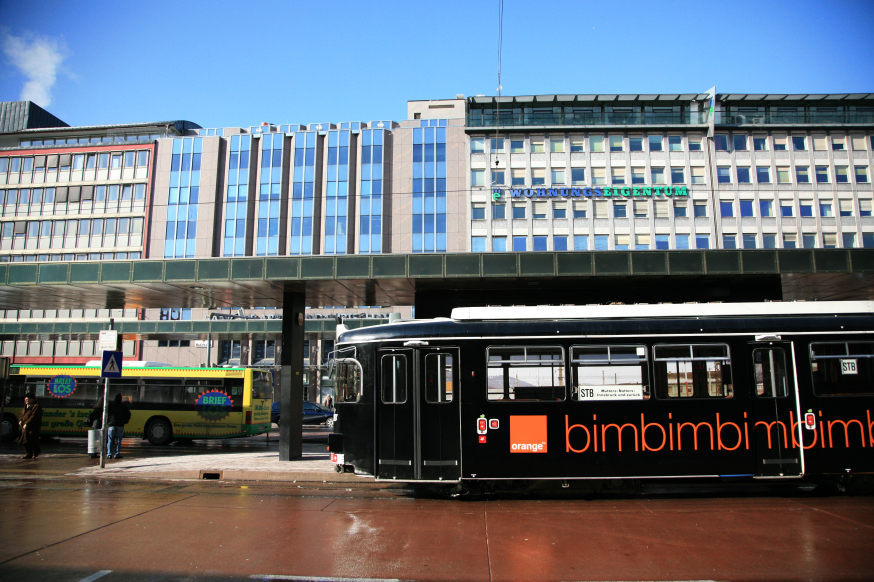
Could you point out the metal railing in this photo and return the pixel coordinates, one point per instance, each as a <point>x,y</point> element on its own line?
<point>510,118</point>
<point>794,117</point>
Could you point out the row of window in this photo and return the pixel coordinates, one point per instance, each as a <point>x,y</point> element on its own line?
<point>743,174</point>
<point>541,210</point>
<point>787,208</point>
<point>645,242</point>
<point>620,175</point>
<point>76,199</point>
<point>674,143</point>
<point>59,349</point>
<point>68,257</point>
<point>59,229</point>
<point>68,313</point>
<point>26,165</point>
<point>625,372</point>
<point>577,144</point>
<point>577,176</point>
<point>741,142</point>
<point>91,139</point>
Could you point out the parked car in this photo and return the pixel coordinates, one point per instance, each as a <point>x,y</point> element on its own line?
<point>312,414</point>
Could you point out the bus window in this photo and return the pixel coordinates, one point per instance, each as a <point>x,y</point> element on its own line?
<point>166,390</point>
<point>525,373</point>
<point>262,386</point>
<point>89,389</point>
<point>609,373</point>
<point>127,387</point>
<point>438,378</point>
<point>770,368</point>
<point>693,371</point>
<point>394,379</point>
<point>347,380</point>
<point>842,369</point>
<point>195,387</point>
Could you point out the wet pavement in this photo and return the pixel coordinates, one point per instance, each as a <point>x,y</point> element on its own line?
<point>252,458</point>
<point>72,530</point>
<point>149,517</point>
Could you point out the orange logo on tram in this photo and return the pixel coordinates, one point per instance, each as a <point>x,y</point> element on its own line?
<point>528,434</point>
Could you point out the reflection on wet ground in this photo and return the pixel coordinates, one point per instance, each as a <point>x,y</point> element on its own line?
<point>69,530</point>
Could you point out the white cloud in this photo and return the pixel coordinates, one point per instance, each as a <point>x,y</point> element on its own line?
<point>39,59</point>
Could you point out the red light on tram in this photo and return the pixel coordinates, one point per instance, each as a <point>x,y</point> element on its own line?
<point>481,427</point>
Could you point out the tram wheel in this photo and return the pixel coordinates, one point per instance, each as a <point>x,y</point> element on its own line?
<point>159,431</point>
<point>9,428</point>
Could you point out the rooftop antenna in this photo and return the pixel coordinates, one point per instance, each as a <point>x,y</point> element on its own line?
<point>498,98</point>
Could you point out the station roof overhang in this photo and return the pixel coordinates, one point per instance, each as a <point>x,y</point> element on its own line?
<point>386,280</point>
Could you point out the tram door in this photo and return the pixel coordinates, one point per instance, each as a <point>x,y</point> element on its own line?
<point>417,414</point>
<point>775,410</point>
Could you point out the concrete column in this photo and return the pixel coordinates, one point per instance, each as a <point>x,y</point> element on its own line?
<point>291,382</point>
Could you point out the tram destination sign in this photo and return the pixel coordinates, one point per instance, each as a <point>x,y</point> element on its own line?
<point>596,192</point>
<point>611,392</point>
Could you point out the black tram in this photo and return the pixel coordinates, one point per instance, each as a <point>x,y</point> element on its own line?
<point>495,395</point>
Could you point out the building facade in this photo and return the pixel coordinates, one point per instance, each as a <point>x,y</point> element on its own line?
<point>639,172</point>
<point>482,174</point>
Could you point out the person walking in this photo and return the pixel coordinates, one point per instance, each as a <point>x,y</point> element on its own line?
<point>117,415</point>
<point>95,421</point>
<point>30,422</point>
<point>329,402</point>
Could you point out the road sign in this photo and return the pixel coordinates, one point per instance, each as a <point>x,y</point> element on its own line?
<point>108,339</point>
<point>111,366</point>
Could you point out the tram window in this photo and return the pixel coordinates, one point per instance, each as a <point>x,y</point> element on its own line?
<point>438,378</point>
<point>693,371</point>
<point>609,373</point>
<point>842,369</point>
<point>770,368</point>
<point>394,379</point>
<point>526,373</point>
<point>347,380</point>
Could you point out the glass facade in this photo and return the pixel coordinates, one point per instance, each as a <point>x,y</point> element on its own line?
<point>269,195</point>
<point>303,193</point>
<point>180,239</point>
<point>337,192</point>
<point>236,200</point>
<point>373,143</point>
<point>429,187</point>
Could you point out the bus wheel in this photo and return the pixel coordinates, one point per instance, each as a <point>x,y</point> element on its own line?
<point>159,431</point>
<point>9,428</point>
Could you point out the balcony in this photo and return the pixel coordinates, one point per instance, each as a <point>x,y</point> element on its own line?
<point>795,118</point>
<point>493,118</point>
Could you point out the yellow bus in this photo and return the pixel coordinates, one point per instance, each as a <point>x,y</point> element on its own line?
<point>166,403</point>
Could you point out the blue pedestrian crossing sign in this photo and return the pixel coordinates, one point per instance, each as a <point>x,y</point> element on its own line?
<point>111,366</point>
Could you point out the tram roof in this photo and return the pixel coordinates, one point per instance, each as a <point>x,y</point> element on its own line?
<point>553,312</point>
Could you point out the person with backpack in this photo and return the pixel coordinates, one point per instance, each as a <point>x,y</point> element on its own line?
<point>118,415</point>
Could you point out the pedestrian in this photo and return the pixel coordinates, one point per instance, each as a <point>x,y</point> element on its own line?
<point>30,422</point>
<point>95,421</point>
<point>117,415</point>
<point>329,402</point>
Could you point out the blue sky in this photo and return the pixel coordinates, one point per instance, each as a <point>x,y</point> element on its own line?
<point>223,63</point>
